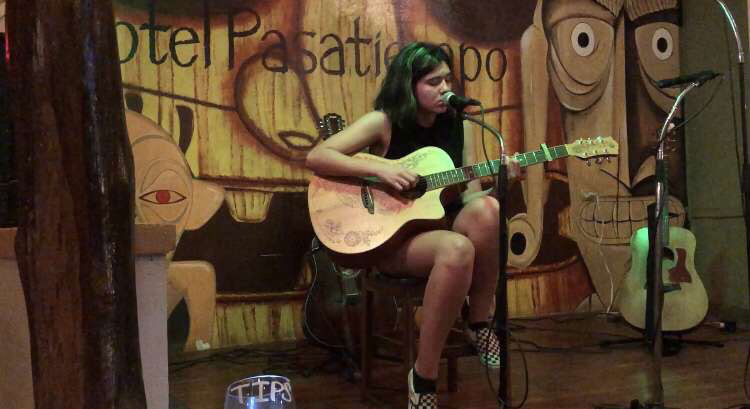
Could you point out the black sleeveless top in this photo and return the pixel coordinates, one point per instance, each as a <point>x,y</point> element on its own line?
<point>446,133</point>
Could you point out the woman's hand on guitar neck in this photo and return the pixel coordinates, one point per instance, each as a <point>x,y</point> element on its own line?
<point>514,167</point>
<point>397,177</point>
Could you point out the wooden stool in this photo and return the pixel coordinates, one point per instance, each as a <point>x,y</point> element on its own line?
<point>408,293</point>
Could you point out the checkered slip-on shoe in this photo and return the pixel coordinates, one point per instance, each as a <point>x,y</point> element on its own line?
<point>487,346</point>
<point>420,400</point>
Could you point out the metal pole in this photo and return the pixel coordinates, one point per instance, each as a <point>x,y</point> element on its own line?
<point>501,294</point>
<point>744,143</point>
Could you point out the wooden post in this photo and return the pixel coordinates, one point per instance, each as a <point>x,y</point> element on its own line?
<point>75,167</point>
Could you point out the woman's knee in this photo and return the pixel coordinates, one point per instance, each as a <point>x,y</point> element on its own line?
<point>481,213</point>
<point>456,253</point>
<point>488,210</point>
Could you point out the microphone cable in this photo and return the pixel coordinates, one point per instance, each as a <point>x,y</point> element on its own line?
<point>698,112</point>
<point>507,405</point>
<point>738,159</point>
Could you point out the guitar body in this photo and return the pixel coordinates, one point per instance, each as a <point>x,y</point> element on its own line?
<point>353,217</point>
<point>686,305</point>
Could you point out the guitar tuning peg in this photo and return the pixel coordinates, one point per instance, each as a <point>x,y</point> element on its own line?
<point>599,161</point>
<point>588,162</point>
<point>609,159</point>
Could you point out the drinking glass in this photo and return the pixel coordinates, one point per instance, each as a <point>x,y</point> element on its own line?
<point>260,392</point>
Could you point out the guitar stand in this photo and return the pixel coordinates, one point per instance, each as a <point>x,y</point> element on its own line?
<point>340,359</point>
<point>351,370</point>
<point>671,345</point>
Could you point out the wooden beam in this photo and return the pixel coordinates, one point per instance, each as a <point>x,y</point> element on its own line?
<point>75,167</point>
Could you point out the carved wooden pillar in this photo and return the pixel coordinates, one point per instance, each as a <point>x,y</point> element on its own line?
<point>74,242</point>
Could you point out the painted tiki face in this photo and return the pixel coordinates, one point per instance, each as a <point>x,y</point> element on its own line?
<point>602,61</point>
<point>165,190</point>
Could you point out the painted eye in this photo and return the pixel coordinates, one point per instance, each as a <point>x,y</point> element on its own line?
<point>583,40</point>
<point>162,196</point>
<point>662,44</point>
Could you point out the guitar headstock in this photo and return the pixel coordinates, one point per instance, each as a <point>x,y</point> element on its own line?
<point>599,147</point>
<point>330,124</point>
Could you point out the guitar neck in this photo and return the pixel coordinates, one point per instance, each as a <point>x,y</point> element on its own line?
<point>467,173</point>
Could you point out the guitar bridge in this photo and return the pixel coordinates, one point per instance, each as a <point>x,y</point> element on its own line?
<point>672,287</point>
<point>367,201</point>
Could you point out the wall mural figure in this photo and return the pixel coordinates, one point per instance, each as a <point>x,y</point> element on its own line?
<point>167,193</point>
<point>595,65</point>
<point>245,83</point>
<point>241,85</point>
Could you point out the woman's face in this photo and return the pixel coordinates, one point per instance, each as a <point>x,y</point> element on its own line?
<point>430,87</point>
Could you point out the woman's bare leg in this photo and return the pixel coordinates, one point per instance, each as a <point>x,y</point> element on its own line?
<point>448,258</point>
<point>479,221</point>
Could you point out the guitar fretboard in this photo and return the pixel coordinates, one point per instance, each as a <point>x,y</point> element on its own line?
<point>467,173</point>
<point>534,157</point>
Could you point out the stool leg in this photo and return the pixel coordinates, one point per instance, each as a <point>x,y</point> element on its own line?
<point>452,373</point>
<point>366,342</point>
<point>409,335</point>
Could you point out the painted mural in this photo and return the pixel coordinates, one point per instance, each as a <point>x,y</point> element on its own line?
<point>241,85</point>
<point>167,193</point>
<point>597,62</point>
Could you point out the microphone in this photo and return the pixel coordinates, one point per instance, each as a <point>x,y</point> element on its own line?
<point>698,77</point>
<point>458,102</point>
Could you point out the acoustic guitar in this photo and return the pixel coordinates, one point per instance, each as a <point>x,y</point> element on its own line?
<point>685,299</point>
<point>356,216</point>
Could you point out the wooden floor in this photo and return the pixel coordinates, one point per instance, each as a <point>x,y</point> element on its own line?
<point>567,368</point>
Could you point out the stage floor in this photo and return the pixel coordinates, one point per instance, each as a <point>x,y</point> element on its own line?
<point>567,368</point>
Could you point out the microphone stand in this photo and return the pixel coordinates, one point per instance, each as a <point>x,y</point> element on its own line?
<point>501,294</point>
<point>743,117</point>
<point>659,239</point>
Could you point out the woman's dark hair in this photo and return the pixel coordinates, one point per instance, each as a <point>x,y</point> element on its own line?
<point>414,61</point>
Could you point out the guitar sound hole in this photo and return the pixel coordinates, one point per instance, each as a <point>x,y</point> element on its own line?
<point>668,254</point>
<point>518,243</point>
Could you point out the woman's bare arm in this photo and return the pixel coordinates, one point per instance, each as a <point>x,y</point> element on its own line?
<point>332,157</point>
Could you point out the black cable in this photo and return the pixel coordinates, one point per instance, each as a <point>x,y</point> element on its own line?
<point>570,331</point>
<point>740,176</point>
<point>589,349</point>
<point>701,109</point>
<point>493,320</point>
<point>508,405</point>
<point>733,98</point>
<point>567,317</point>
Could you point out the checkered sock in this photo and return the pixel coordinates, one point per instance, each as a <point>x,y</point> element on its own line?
<point>476,326</point>
<point>423,385</point>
